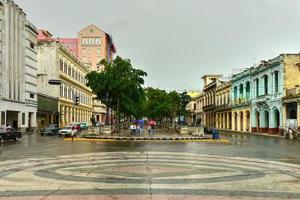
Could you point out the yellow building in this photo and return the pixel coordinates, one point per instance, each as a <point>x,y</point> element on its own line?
<point>195,108</point>
<point>55,62</point>
<point>223,106</point>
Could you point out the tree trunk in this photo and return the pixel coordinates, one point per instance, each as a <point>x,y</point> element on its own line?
<point>118,115</point>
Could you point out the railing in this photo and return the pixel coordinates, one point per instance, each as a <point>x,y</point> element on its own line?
<point>241,101</point>
<point>223,107</point>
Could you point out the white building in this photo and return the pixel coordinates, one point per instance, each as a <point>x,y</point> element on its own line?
<point>18,68</point>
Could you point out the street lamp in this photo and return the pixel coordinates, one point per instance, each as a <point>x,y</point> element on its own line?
<point>107,99</point>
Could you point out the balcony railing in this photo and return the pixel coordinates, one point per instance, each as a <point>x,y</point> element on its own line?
<point>241,102</point>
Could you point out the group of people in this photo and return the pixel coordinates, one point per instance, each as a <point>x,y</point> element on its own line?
<point>138,128</point>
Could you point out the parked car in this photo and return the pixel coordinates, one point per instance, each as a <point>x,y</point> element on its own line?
<point>76,126</point>
<point>83,126</point>
<point>52,129</point>
<point>207,130</point>
<point>67,131</point>
<point>7,134</point>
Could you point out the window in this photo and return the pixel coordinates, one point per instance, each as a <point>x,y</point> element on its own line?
<point>23,118</point>
<point>61,64</point>
<point>2,118</point>
<point>31,95</point>
<point>32,45</point>
<point>65,91</point>
<point>97,41</point>
<point>69,70</point>
<point>257,86</point>
<point>61,90</point>
<point>266,84</point>
<point>276,77</point>
<point>65,68</point>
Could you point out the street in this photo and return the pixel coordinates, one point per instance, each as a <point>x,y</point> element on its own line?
<point>250,167</point>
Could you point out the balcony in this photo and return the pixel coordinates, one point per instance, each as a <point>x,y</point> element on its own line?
<point>223,107</point>
<point>241,102</point>
<point>209,107</point>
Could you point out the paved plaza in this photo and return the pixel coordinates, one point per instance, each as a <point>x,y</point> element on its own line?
<point>164,170</point>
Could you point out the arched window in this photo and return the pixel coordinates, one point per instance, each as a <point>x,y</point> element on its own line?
<point>241,91</point>
<point>276,77</point>
<point>266,84</point>
<point>248,90</point>
<point>235,93</point>
<point>257,86</point>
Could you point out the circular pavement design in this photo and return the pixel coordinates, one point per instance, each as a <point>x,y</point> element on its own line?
<point>149,173</point>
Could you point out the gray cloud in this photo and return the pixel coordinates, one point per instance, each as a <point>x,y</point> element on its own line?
<point>178,41</point>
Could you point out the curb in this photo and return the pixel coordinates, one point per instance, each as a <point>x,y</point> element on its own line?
<point>124,139</point>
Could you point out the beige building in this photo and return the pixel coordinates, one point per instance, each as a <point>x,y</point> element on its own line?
<point>195,108</point>
<point>223,106</point>
<point>18,68</point>
<point>210,83</point>
<point>93,46</point>
<point>55,62</point>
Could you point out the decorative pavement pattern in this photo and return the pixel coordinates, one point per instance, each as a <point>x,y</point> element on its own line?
<point>148,175</point>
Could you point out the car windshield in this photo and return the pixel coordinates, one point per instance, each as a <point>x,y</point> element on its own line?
<point>68,127</point>
<point>52,126</point>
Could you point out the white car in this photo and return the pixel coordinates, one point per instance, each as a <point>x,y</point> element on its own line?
<point>67,131</point>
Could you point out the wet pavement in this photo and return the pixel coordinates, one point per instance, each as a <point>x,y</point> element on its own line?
<point>249,167</point>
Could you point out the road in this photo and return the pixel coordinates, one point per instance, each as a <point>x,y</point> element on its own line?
<point>249,167</point>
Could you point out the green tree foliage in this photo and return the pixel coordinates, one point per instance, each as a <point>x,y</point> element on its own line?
<point>122,82</point>
<point>159,104</point>
<point>184,100</point>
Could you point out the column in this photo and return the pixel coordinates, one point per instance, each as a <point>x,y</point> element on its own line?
<point>298,114</point>
<point>232,121</point>
<point>238,125</point>
<point>245,123</point>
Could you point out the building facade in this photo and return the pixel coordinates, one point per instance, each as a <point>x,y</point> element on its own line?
<point>267,93</point>
<point>241,99</point>
<point>18,68</point>
<point>195,108</point>
<point>223,106</point>
<point>273,80</point>
<point>56,62</point>
<point>210,84</point>
<point>291,105</point>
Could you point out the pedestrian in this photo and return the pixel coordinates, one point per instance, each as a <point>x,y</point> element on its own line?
<point>152,129</point>
<point>132,129</point>
<point>137,129</point>
<point>141,128</point>
<point>149,129</point>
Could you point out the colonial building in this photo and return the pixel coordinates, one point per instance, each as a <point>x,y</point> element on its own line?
<point>223,106</point>
<point>91,46</point>
<point>291,105</point>
<point>241,96</point>
<point>18,68</point>
<point>56,62</point>
<point>210,83</point>
<point>195,107</point>
<point>272,79</point>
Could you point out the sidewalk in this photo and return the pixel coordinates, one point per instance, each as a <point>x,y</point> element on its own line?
<point>251,133</point>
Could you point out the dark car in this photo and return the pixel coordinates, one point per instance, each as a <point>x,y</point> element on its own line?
<point>7,134</point>
<point>207,130</point>
<point>52,129</point>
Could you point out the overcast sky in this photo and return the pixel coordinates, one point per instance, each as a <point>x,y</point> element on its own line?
<point>178,41</point>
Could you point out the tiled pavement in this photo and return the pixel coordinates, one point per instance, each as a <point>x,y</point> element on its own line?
<point>148,175</point>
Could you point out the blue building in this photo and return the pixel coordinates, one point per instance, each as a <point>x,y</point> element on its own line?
<point>241,96</point>
<point>267,93</point>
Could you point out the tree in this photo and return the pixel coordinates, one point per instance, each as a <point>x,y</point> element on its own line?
<point>159,104</point>
<point>184,100</point>
<point>122,83</point>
